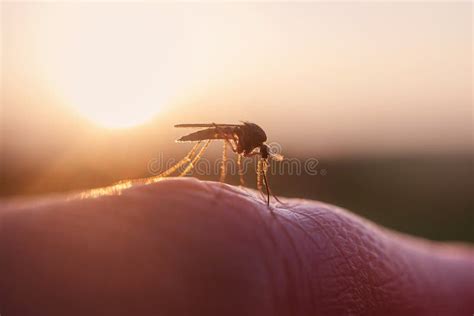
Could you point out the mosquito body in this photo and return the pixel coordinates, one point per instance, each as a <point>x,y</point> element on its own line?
<point>246,139</point>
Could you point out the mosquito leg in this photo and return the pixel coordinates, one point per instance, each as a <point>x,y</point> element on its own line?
<point>230,140</point>
<point>195,159</point>
<point>259,177</point>
<point>267,185</point>
<point>173,168</point>
<point>223,170</point>
<point>240,169</point>
<point>263,170</point>
<point>233,145</point>
<point>224,161</point>
<point>186,159</point>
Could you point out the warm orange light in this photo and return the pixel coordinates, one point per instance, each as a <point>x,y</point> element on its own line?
<point>110,83</point>
<point>108,70</point>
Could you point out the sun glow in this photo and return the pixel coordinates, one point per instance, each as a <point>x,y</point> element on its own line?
<point>112,101</point>
<point>120,64</point>
<point>125,118</point>
<point>109,71</point>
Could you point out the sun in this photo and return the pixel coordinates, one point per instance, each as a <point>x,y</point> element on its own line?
<point>120,66</point>
<point>109,72</point>
<point>113,106</point>
<point>113,103</point>
<point>113,117</point>
<point>111,88</point>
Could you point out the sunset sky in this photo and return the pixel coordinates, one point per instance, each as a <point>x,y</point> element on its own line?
<point>333,77</point>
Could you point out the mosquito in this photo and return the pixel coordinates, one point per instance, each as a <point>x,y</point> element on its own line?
<point>246,140</point>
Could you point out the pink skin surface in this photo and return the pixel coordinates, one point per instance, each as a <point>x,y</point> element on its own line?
<point>186,247</point>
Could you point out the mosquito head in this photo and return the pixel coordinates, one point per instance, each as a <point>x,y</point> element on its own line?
<point>266,153</point>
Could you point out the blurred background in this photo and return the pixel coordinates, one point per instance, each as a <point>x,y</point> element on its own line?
<point>379,93</point>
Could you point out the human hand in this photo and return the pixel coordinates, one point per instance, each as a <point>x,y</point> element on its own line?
<point>186,247</point>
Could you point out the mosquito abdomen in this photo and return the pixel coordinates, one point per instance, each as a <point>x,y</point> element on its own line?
<point>204,134</point>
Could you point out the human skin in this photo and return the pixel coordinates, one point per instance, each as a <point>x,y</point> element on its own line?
<point>186,247</point>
